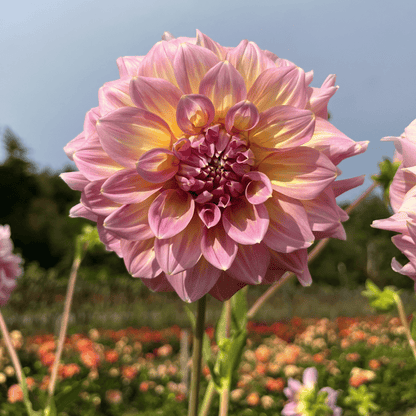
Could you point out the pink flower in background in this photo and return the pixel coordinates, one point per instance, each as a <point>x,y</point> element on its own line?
<point>403,201</point>
<point>9,265</point>
<point>203,165</point>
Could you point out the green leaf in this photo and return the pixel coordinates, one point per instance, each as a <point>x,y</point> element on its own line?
<point>385,177</point>
<point>413,326</point>
<point>381,301</point>
<point>66,397</point>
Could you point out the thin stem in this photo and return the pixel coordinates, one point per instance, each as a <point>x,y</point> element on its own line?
<point>209,395</point>
<point>403,318</point>
<point>197,357</point>
<point>64,324</point>
<point>224,400</point>
<point>10,349</point>
<point>317,249</point>
<point>227,306</point>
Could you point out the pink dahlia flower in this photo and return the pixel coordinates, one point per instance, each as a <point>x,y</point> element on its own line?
<point>203,164</point>
<point>9,265</point>
<point>403,202</point>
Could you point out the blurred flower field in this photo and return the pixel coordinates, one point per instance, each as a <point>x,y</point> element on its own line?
<point>138,371</point>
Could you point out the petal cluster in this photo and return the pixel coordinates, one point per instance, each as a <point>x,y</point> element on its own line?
<point>403,202</point>
<point>206,166</point>
<point>9,265</point>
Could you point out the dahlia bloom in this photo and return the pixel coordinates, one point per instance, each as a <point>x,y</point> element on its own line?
<point>303,397</point>
<point>403,201</point>
<point>9,265</point>
<point>203,165</point>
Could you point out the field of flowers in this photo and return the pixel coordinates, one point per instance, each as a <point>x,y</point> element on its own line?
<point>138,371</point>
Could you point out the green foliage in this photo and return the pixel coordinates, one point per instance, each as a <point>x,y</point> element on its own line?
<point>381,300</point>
<point>386,175</point>
<point>362,400</point>
<point>313,403</point>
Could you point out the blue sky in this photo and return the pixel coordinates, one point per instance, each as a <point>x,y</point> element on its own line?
<point>55,55</point>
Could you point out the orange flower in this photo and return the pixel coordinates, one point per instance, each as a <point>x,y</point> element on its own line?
<point>263,354</point>
<point>114,396</point>
<point>275,384</point>
<point>15,394</point>
<point>357,379</point>
<point>352,356</point>
<point>129,372</point>
<point>111,356</point>
<point>45,383</point>
<point>47,359</point>
<point>69,370</point>
<point>90,358</point>
<point>318,358</point>
<point>374,364</point>
<point>253,399</point>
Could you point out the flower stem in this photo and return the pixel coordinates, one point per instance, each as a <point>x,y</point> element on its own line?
<point>197,357</point>
<point>403,318</point>
<point>224,400</point>
<point>209,395</point>
<point>317,249</point>
<point>64,324</point>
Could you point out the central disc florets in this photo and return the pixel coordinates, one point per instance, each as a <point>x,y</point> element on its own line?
<point>213,164</point>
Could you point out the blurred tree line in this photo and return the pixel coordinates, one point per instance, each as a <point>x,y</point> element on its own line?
<point>36,205</point>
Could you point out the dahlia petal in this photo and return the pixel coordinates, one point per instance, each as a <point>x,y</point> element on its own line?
<point>344,185</point>
<point>397,223</point>
<point>90,123</point>
<point>94,200</point>
<point>158,63</point>
<point>279,86</point>
<point>319,97</point>
<point>158,96</point>
<point>158,284</point>
<point>250,61</point>
<point>193,284</point>
<point>111,242</point>
<point>190,65</point>
<point>251,264</point>
<point>127,133</point>
<point>157,165</point>
<point>129,65</point>
<point>167,36</point>
<point>301,173</point>
<point>130,221</point>
<point>75,180</point>
<point>245,223</point>
<point>283,127</point>
<point>408,150</point>
<point>310,377</point>
<point>408,270</point>
<point>224,86</point>
<point>242,116</point>
<point>334,144</point>
<point>218,248</point>
<point>94,162</point>
<point>296,262</point>
<point>140,259</point>
<point>81,211</point>
<point>113,95</point>
<point>182,251</point>
<point>289,228</point>
<point>406,245</point>
<point>128,187</point>
<point>210,214</point>
<point>171,212</point>
<point>207,43</point>
<point>402,183</point>
<point>194,112</point>
<point>226,287</point>
<point>74,145</point>
<point>259,189</point>
<point>308,77</point>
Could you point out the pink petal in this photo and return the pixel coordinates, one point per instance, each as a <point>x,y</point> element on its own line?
<point>194,283</point>
<point>279,86</point>
<point>259,189</point>
<point>94,200</point>
<point>157,165</point>
<point>128,187</point>
<point>113,95</point>
<point>344,185</point>
<point>74,145</point>
<point>319,97</point>
<point>207,43</point>
<point>219,249</point>
<point>129,132</point>
<point>158,284</point>
<point>194,112</point>
<point>111,242</point>
<point>129,65</point>
<point>158,63</point>
<point>245,223</point>
<point>81,211</point>
<point>90,123</point>
<point>75,180</point>
<point>406,245</point>
<point>296,262</point>
<point>300,173</point>
<point>283,127</point>
<point>408,270</point>
<point>226,287</point>
<point>131,221</point>
<point>289,228</point>
<point>242,116</point>
<point>191,63</point>
<point>402,182</point>
<point>210,214</point>
<point>182,251</point>
<point>250,61</point>
<point>251,264</point>
<point>158,96</point>
<point>139,258</point>
<point>171,212</point>
<point>224,86</point>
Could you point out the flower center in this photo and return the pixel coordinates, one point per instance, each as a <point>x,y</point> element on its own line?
<point>212,165</point>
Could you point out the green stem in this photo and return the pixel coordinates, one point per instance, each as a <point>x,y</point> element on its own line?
<point>197,357</point>
<point>209,395</point>
<point>405,324</point>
